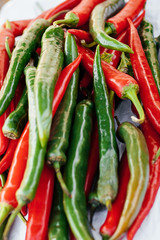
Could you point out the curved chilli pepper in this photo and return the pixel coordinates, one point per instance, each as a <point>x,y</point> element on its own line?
<point>110,224</point>
<point>7,197</point>
<point>85,83</point>
<point>118,23</point>
<point>7,159</point>
<point>149,47</point>
<point>145,79</point>
<point>153,143</point>
<point>58,225</point>
<point>48,71</point>
<point>61,125</point>
<point>79,15</point>
<point>39,208</point>
<point>17,27</point>
<point>81,35</point>
<point>97,25</point>
<point>16,121</point>
<point>75,171</point>
<point>108,180</point>
<point>123,37</point>
<point>20,57</point>
<point>122,84</point>
<point>138,161</point>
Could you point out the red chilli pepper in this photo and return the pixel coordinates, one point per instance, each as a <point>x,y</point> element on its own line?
<point>153,143</point>
<point>148,89</point>
<point>130,10</point>
<point>85,82</point>
<point>113,216</point>
<point>17,27</point>
<point>7,195</point>
<point>81,35</point>
<point>39,208</point>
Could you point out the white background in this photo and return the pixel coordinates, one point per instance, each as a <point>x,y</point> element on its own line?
<point>25,9</point>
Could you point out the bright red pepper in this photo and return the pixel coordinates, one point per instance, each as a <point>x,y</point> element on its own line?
<point>148,89</point>
<point>7,195</point>
<point>110,224</point>
<point>81,35</point>
<point>39,208</point>
<point>17,27</point>
<point>130,10</point>
<point>153,143</point>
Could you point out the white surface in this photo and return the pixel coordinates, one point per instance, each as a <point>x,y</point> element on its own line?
<point>25,9</point>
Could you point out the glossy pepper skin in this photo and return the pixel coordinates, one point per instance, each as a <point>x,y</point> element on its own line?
<point>17,27</point>
<point>149,47</point>
<point>81,35</point>
<point>16,121</point>
<point>58,226</point>
<point>153,143</point>
<point>39,208</point>
<point>97,25</point>
<point>48,71</point>
<point>138,161</point>
<point>20,57</point>
<point>108,180</point>
<point>145,79</point>
<point>75,171</point>
<point>118,23</point>
<point>80,14</point>
<point>111,222</point>
<point>61,125</point>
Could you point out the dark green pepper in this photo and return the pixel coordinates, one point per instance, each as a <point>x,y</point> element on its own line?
<point>61,125</point>
<point>21,55</point>
<point>75,171</point>
<point>48,70</point>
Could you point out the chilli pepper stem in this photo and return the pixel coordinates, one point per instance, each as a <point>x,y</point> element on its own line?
<point>51,19</point>
<point>132,95</point>
<point>60,178</point>
<point>8,48</point>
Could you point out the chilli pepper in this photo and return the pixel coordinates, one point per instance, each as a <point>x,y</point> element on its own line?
<point>75,171</point>
<point>17,27</point>
<point>7,196</point>
<point>85,83</point>
<point>81,35</point>
<point>122,84</point>
<point>153,143</point>
<point>58,225</point>
<point>20,57</point>
<point>144,77</point>
<point>111,222</point>
<point>118,23</point>
<point>39,208</point>
<point>97,25</point>
<point>149,47</point>
<point>80,14</point>
<point>16,121</point>
<point>48,71</point>
<point>138,161</point>
<point>108,180</point>
<point>61,125</point>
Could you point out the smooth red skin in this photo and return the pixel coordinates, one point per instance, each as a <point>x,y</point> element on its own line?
<point>16,171</point>
<point>115,79</point>
<point>7,159</point>
<point>110,224</point>
<point>81,35</point>
<point>83,10</point>
<point>17,27</point>
<point>148,89</point>
<point>130,10</point>
<point>39,208</point>
<point>153,143</point>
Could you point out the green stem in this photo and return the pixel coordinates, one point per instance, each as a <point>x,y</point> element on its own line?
<point>22,218</point>
<point>156,155</point>
<point>70,20</point>
<point>57,15</point>
<point>8,24</point>
<point>5,209</point>
<point>132,95</point>
<point>8,48</point>
<point>88,45</point>
<point>60,179</point>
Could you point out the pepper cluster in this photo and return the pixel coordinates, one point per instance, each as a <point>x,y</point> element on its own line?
<point>60,136</point>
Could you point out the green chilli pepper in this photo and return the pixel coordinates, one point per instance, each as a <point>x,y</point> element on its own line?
<point>58,225</point>
<point>149,47</point>
<point>108,179</point>
<point>21,55</point>
<point>15,122</point>
<point>48,70</point>
<point>75,171</point>
<point>138,161</point>
<point>61,125</point>
<point>97,25</point>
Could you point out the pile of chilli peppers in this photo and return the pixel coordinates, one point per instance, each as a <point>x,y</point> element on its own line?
<point>64,152</point>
